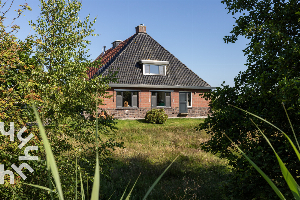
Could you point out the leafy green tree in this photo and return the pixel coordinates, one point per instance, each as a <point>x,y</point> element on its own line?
<point>65,89</point>
<point>51,69</point>
<point>17,90</point>
<point>64,85</point>
<point>16,71</point>
<point>272,77</point>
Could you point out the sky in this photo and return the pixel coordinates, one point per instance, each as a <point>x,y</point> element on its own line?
<point>192,30</point>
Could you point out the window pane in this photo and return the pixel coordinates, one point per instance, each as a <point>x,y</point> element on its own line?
<point>154,69</point>
<point>119,99</point>
<point>189,99</point>
<point>161,99</point>
<point>127,99</point>
<point>134,99</point>
<point>168,99</point>
<point>147,69</point>
<point>161,69</point>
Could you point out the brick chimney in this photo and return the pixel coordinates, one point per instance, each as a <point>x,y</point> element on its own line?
<point>116,43</point>
<point>140,28</point>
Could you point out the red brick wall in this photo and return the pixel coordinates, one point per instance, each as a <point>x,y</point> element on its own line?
<point>199,104</point>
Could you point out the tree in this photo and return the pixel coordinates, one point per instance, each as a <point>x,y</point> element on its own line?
<point>65,89</point>
<point>50,70</point>
<point>17,70</point>
<point>64,86</point>
<point>272,77</point>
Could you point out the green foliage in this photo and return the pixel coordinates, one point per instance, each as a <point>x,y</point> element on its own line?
<point>51,165</point>
<point>294,187</point>
<point>50,69</point>
<point>64,86</point>
<point>157,116</point>
<point>17,70</point>
<point>272,77</point>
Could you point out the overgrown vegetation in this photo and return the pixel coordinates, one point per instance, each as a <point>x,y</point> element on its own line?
<point>272,77</point>
<point>49,69</point>
<point>290,181</point>
<point>149,148</point>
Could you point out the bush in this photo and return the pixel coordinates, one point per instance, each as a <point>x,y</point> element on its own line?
<point>157,116</point>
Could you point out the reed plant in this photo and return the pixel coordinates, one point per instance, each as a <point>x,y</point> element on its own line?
<point>52,167</point>
<point>290,180</point>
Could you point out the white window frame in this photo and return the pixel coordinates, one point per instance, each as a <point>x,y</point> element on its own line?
<point>191,99</point>
<point>160,74</point>
<point>149,63</point>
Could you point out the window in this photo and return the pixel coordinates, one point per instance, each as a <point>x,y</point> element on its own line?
<point>127,99</point>
<point>154,69</point>
<point>160,99</point>
<point>189,99</point>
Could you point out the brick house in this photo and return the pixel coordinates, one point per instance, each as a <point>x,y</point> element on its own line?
<point>149,77</point>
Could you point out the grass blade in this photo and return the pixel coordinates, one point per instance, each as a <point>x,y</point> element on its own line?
<point>127,198</point>
<point>40,187</point>
<point>96,184</point>
<point>111,195</point>
<point>125,191</point>
<point>280,195</point>
<point>87,187</point>
<point>81,184</point>
<point>76,179</point>
<point>49,155</point>
<point>291,127</point>
<point>294,187</point>
<point>49,178</point>
<point>157,180</point>
<point>291,142</point>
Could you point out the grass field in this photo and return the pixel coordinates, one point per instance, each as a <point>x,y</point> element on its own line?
<point>150,148</point>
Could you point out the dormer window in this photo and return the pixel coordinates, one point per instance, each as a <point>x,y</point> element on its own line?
<point>154,67</point>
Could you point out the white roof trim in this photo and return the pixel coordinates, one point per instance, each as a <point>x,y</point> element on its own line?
<point>155,62</point>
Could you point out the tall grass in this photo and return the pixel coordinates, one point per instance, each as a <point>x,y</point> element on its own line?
<point>292,184</point>
<point>150,148</point>
<point>96,185</point>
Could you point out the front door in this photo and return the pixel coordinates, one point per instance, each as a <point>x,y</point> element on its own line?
<point>183,102</point>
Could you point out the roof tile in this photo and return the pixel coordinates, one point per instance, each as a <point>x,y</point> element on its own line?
<point>126,56</point>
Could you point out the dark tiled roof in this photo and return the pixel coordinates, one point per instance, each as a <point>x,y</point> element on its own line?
<point>126,56</point>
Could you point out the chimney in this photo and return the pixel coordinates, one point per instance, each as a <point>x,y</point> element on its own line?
<point>116,43</point>
<point>140,29</point>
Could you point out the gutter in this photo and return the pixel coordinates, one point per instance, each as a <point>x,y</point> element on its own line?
<point>158,86</point>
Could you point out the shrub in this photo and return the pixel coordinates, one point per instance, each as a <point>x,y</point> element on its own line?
<point>157,116</point>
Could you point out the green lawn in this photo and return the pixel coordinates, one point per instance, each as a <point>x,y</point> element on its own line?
<point>149,150</point>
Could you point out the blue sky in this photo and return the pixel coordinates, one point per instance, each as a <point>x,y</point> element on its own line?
<point>192,30</point>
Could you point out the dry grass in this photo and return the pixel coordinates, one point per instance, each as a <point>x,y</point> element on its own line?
<point>151,147</point>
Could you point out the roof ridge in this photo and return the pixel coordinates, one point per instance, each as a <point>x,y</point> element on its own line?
<point>125,57</point>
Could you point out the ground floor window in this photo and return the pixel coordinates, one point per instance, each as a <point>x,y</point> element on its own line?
<point>189,99</point>
<point>127,99</point>
<point>160,99</point>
